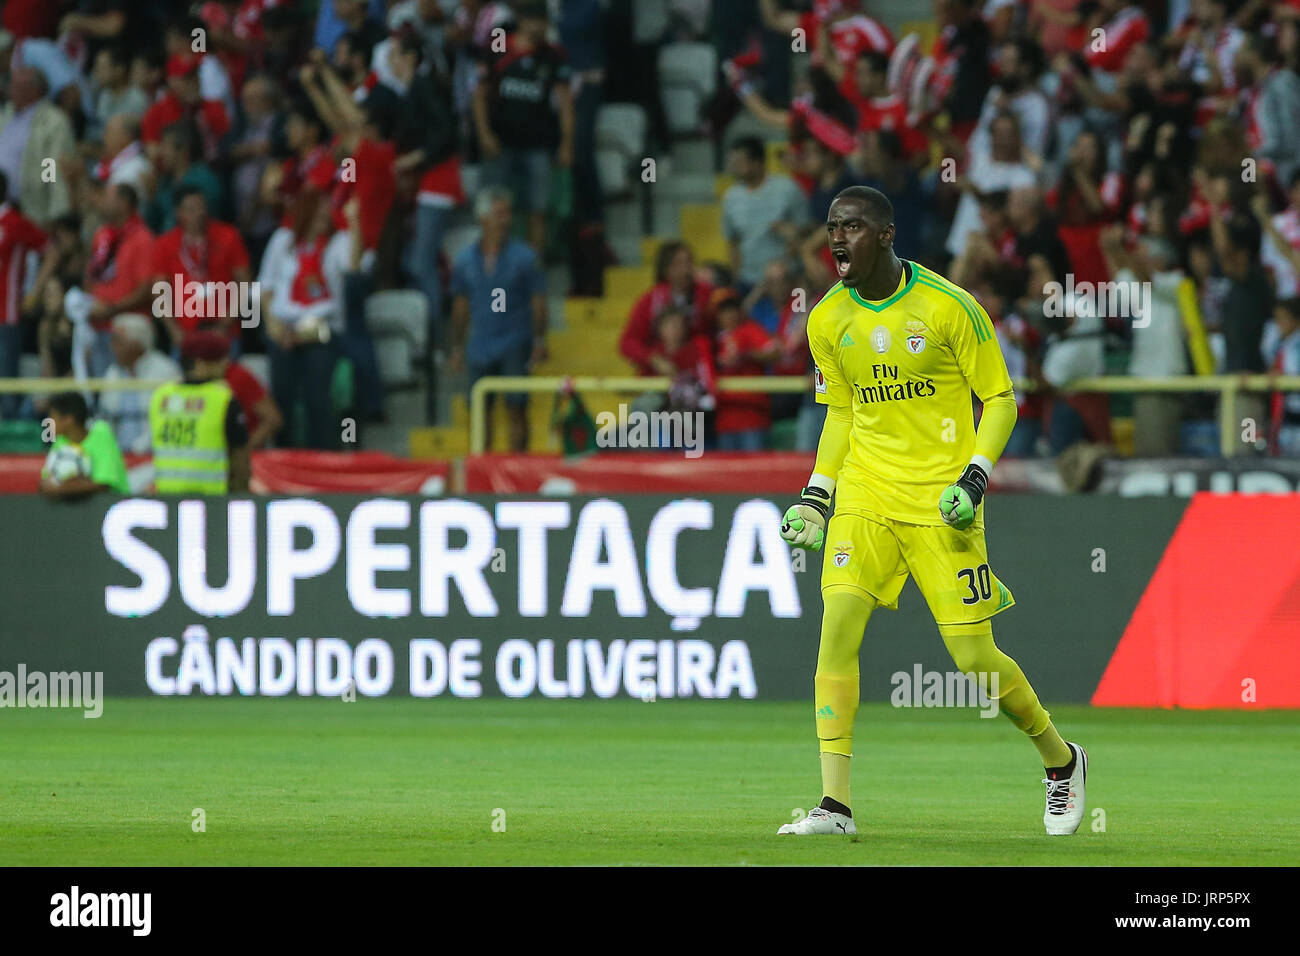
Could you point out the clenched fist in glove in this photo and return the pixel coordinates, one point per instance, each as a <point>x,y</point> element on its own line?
<point>804,525</point>
<point>961,499</point>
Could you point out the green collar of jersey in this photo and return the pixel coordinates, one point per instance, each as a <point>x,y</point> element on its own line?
<point>908,269</point>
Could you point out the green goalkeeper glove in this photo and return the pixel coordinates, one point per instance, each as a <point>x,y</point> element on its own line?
<point>959,501</point>
<point>804,524</point>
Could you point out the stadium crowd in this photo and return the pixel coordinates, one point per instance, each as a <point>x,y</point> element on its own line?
<point>1041,154</point>
<point>156,158</point>
<point>1080,167</point>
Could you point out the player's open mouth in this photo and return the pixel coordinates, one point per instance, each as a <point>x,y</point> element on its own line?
<point>842,261</point>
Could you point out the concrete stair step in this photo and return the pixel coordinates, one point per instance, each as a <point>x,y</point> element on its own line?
<point>627,282</point>
<point>627,249</point>
<point>666,218</point>
<point>694,155</point>
<point>687,187</point>
<point>439,441</point>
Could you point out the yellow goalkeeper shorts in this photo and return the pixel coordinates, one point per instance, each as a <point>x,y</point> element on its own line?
<point>876,554</point>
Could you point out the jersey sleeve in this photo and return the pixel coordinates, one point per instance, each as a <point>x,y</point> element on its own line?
<point>976,348</point>
<point>107,466</point>
<point>829,386</point>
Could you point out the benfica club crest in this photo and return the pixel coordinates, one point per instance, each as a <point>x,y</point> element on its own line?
<point>915,333</point>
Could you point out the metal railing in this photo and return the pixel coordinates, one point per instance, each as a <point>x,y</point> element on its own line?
<point>51,386</point>
<point>1229,387</point>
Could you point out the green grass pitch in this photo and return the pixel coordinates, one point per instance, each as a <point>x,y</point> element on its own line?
<point>403,782</point>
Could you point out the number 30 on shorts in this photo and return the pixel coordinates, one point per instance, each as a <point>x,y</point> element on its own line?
<point>980,576</point>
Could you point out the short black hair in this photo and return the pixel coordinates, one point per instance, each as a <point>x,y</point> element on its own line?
<point>1030,54</point>
<point>129,194</point>
<point>301,107</point>
<point>184,137</point>
<point>184,25</point>
<point>890,144</point>
<point>995,199</point>
<point>878,205</point>
<point>751,146</point>
<point>382,107</point>
<point>1244,233</point>
<point>879,62</point>
<point>69,221</point>
<point>185,192</point>
<point>153,55</point>
<point>71,403</point>
<point>119,53</point>
<point>531,10</point>
<point>359,44</point>
<point>408,41</point>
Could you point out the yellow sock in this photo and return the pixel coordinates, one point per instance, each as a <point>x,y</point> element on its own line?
<point>836,684</point>
<point>1051,747</point>
<point>973,650</point>
<point>835,777</point>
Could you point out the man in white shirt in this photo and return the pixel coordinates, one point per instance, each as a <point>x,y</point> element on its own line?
<point>134,357</point>
<point>1158,347</point>
<point>1020,63</point>
<point>997,163</point>
<point>761,213</point>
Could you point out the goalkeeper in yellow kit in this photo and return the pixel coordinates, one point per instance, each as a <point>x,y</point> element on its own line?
<point>898,350</point>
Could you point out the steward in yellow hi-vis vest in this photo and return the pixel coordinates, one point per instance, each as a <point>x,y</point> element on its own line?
<point>200,441</point>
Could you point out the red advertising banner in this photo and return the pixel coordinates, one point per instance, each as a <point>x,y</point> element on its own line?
<point>283,471</point>
<point>661,473</point>
<point>1219,622</point>
<point>287,471</point>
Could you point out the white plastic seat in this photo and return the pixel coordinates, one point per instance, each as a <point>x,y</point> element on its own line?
<point>398,320</point>
<point>622,127</point>
<point>688,76</point>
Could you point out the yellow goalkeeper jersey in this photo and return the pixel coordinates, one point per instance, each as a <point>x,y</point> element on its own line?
<point>907,365</point>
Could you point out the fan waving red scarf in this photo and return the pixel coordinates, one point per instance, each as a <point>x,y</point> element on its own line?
<point>309,283</point>
<point>103,252</point>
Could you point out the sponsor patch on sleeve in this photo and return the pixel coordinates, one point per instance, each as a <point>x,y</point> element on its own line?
<point>819,381</point>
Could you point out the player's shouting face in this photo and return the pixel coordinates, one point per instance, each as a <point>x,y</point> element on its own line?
<point>861,240</point>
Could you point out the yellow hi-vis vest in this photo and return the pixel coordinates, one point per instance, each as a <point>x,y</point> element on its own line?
<point>188,425</point>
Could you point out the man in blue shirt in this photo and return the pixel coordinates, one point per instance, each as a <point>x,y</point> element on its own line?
<point>498,312</point>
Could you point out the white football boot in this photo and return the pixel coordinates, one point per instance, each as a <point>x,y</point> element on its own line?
<point>1065,797</point>
<point>821,821</point>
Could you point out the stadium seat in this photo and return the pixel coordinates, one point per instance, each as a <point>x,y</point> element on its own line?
<point>620,145</point>
<point>612,170</point>
<point>398,321</point>
<point>688,76</point>
<point>259,366</point>
<point>621,126</point>
<point>627,282</point>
